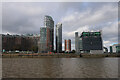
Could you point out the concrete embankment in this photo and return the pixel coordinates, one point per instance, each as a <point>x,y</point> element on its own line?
<point>63,55</point>
<point>99,55</point>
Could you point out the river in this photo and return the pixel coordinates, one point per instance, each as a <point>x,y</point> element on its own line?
<point>60,67</point>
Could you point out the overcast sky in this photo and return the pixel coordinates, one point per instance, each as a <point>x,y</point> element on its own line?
<point>27,17</point>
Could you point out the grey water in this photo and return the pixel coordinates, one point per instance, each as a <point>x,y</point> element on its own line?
<point>60,67</point>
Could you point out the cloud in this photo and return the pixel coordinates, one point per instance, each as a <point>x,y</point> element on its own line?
<point>21,18</point>
<point>101,18</point>
<point>90,17</point>
<point>71,34</point>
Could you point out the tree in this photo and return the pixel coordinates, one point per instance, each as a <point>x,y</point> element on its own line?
<point>34,48</point>
<point>73,51</point>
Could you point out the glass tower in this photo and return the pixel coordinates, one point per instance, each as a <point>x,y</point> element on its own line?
<point>59,37</point>
<point>76,42</point>
<point>45,43</point>
<point>49,23</point>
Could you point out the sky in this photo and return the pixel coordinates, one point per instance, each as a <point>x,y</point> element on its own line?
<point>28,17</point>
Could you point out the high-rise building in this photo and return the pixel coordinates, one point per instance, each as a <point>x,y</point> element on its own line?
<point>76,42</point>
<point>45,43</point>
<point>49,23</point>
<point>42,43</point>
<point>111,49</point>
<point>67,45</point>
<point>59,37</point>
<point>89,42</point>
<point>92,41</point>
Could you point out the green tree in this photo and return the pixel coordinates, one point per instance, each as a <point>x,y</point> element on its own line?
<point>73,51</point>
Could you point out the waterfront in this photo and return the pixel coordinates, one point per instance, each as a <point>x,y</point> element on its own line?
<point>58,55</point>
<point>60,67</point>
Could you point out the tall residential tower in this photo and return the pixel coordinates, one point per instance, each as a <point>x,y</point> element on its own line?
<point>59,37</point>
<point>76,42</point>
<point>49,23</point>
<point>46,43</point>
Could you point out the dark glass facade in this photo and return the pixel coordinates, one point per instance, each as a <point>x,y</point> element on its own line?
<point>92,41</point>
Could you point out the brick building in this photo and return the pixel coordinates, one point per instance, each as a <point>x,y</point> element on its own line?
<point>67,45</point>
<point>19,42</point>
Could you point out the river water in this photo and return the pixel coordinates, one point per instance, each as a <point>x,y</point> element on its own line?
<point>60,67</point>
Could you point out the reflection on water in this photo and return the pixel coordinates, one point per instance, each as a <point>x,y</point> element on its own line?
<point>60,67</point>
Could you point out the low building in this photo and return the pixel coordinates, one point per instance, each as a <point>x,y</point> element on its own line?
<point>19,42</point>
<point>115,48</point>
<point>68,45</point>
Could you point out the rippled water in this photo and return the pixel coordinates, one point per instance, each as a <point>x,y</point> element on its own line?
<point>0,67</point>
<point>60,67</point>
